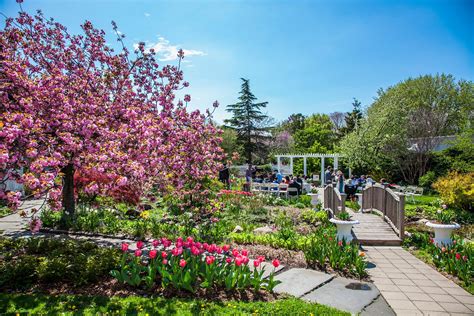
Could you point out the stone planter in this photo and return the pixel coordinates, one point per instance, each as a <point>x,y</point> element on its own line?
<point>314,199</point>
<point>443,233</point>
<point>344,229</point>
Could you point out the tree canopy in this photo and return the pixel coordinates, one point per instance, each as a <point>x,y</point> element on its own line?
<point>403,124</point>
<point>250,124</point>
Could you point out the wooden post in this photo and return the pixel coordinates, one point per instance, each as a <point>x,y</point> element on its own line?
<point>343,202</point>
<point>401,216</point>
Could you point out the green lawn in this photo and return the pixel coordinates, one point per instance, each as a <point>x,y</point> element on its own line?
<point>134,305</point>
<point>423,199</point>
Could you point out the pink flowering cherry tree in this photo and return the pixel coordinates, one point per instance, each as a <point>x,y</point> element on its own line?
<point>71,102</point>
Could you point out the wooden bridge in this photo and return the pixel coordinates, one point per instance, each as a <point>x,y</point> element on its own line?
<point>381,216</point>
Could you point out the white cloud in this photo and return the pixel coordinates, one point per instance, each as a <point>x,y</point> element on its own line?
<point>168,52</point>
<point>147,14</point>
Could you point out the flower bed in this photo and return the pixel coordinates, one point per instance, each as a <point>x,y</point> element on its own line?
<point>321,249</point>
<point>456,259</point>
<point>188,265</point>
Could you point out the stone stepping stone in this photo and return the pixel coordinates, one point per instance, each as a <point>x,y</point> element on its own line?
<point>345,294</point>
<point>298,282</point>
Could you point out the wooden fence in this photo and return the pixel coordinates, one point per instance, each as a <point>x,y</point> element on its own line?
<point>390,204</point>
<point>334,201</point>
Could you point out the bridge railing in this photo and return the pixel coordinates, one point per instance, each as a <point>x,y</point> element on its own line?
<point>390,204</point>
<point>334,201</point>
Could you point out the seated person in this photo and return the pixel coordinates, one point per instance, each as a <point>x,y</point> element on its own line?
<point>294,184</point>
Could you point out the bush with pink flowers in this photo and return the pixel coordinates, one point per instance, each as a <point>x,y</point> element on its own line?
<point>189,265</point>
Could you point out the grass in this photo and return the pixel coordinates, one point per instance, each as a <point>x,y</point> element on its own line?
<point>422,199</point>
<point>134,305</point>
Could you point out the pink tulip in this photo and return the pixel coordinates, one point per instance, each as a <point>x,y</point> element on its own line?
<point>140,244</point>
<point>138,253</point>
<point>210,259</point>
<point>256,263</point>
<point>155,243</point>
<point>182,263</point>
<point>124,247</point>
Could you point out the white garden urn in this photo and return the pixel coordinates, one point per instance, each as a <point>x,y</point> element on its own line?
<point>443,233</point>
<point>344,228</point>
<point>314,199</point>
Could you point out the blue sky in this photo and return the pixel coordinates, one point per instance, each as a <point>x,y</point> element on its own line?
<point>300,56</point>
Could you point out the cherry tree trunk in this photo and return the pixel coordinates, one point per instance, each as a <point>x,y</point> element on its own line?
<point>68,190</point>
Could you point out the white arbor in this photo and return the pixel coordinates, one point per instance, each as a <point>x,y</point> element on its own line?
<point>305,157</point>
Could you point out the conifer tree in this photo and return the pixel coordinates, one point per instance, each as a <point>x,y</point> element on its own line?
<point>249,122</point>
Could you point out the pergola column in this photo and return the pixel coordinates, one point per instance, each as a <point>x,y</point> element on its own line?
<point>291,165</point>
<point>322,172</point>
<point>304,166</point>
<point>279,164</point>
<point>336,163</point>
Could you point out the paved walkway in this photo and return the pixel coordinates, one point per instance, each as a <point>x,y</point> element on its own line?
<point>411,287</point>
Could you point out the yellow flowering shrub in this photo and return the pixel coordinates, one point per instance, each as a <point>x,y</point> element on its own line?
<point>456,189</point>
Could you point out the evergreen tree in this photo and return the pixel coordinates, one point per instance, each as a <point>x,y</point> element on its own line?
<point>249,122</point>
<point>353,118</point>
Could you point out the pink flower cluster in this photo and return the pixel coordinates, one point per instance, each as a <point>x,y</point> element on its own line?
<point>209,252</point>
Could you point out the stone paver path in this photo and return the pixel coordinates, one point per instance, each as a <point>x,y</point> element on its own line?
<point>411,287</point>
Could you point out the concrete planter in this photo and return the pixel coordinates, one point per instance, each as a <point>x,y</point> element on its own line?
<point>314,198</point>
<point>344,229</point>
<point>443,233</point>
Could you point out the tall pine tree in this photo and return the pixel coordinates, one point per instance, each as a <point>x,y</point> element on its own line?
<point>249,122</point>
<point>353,118</point>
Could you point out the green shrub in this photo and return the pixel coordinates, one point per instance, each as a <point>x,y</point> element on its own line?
<point>427,179</point>
<point>46,260</point>
<point>313,217</point>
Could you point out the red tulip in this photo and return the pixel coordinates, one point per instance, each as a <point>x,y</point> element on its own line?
<point>228,260</point>
<point>164,261</point>
<point>182,263</point>
<point>276,263</point>
<point>155,243</point>
<point>245,252</point>
<point>226,247</point>
<point>140,244</point>
<point>210,259</point>
<point>261,258</point>
<point>124,247</point>
<point>152,254</point>
<point>256,263</point>
<point>458,256</point>
<point>164,254</point>
<point>138,253</point>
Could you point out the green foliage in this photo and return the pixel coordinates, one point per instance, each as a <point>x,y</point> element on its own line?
<point>419,108</point>
<point>4,211</point>
<point>37,304</point>
<point>313,217</point>
<point>47,260</point>
<point>456,190</point>
<point>427,179</point>
<point>249,123</point>
<point>317,135</point>
<point>344,216</point>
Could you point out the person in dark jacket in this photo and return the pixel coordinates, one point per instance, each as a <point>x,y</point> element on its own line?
<point>224,176</point>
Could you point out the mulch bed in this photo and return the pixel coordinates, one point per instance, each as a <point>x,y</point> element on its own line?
<point>111,287</point>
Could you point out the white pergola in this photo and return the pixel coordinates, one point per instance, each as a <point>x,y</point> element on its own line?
<point>305,156</point>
